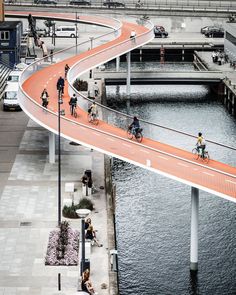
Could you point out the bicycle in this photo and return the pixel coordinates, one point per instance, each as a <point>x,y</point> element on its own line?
<point>75,115</point>
<point>131,133</point>
<point>92,118</point>
<point>198,154</point>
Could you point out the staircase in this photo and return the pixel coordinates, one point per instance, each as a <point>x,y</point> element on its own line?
<point>4,72</point>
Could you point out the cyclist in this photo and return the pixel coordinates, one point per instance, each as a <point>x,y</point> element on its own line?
<point>73,103</point>
<point>60,85</point>
<point>45,98</point>
<point>66,70</point>
<point>93,111</point>
<point>201,144</point>
<point>135,126</point>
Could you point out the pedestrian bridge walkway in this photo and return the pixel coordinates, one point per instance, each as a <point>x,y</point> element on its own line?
<point>111,138</point>
<point>158,77</point>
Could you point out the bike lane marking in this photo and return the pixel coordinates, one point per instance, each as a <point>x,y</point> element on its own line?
<point>144,151</point>
<point>163,158</point>
<point>125,144</point>
<point>181,164</point>
<point>208,173</point>
<point>108,138</point>
<point>230,181</point>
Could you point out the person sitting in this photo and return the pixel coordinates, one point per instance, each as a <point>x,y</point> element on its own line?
<point>86,284</point>
<point>201,144</point>
<point>90,235</point>
<point>134,126</point>
<point>44,97</point>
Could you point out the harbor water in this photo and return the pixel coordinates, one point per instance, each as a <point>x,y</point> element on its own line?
<point>153,212</point>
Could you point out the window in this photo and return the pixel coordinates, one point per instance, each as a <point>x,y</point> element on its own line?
<point>13,78</point>
<point>4,35</point>
<point>11,95</point>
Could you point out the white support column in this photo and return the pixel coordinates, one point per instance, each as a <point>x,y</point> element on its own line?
<point>51,147</point>
<point>128,55</point>
<point>194,229</point>
<point>117,63</point>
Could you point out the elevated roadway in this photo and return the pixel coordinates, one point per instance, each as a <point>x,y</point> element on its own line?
<point>158,77</point>
<point>215,177</point>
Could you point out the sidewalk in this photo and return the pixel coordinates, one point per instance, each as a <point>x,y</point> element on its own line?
<point>28,212</point>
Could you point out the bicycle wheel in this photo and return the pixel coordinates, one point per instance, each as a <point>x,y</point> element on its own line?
<point>130,134</point>
<point>89,118</point>
<point>206,158</point>
<point>95,121</point>
<point>139,136</point>
<point>75,114</point>
<point>196,154</point>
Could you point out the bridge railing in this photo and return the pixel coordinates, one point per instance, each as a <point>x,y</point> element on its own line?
<point>48,118</point>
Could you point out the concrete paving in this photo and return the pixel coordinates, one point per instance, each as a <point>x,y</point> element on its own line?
<point>28,209</point>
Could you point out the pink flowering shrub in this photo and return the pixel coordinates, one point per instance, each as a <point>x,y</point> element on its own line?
<point>63,246</point>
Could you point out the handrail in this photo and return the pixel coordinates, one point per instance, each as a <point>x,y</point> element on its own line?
<point>49,120</point>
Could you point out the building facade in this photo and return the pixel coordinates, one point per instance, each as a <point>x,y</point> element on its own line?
<point>10,42</point>
<point>230,41</point>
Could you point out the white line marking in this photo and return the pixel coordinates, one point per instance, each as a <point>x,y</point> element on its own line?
<point>144,151</point>
<point>108,138</point>
<point>125,144</point>
<point>96,134</point>
<point>181,164</point>
<point>230,181</point>
<point>54,75</point>
<point>163,158</point>
<point>195,169</point>
<point>50,78</point>
<point>83,128</point>
<point>208,173</point>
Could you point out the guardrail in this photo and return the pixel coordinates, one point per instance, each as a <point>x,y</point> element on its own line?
<point>48,118</point>
<point>144,4</point>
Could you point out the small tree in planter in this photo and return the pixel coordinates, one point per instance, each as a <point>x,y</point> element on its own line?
<point>81,85</point>
<point>70,211</point>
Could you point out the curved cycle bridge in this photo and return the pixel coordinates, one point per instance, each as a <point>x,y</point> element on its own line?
<point>215,177</point>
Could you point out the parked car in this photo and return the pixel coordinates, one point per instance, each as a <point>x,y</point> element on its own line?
<point>219,33</point>
<point>207,28</point>
<point>45,2</point>
<point>161,28</point>
<point>80,2</point>
<point>160,33</point>
<point>66,31</point>
<point>114,4</point>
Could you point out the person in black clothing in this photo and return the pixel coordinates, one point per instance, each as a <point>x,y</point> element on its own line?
<point>60,84</point>
<point>73,104</point>
<point>66,70</point>
<point>135,126</point>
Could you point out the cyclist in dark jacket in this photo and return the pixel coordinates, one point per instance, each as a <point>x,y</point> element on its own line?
<point>135,126</point>
<point>73,104</point>
<point>60,84</point>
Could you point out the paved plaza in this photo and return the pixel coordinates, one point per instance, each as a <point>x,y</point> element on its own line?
<point>28,210</point>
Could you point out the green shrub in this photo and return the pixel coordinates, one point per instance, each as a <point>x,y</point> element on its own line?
<point>80,85</point>
<point>70,211</point>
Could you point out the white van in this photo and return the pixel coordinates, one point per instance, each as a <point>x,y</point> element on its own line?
<point>14,77</point>
<point>66,31</point>
<point>10,97</point>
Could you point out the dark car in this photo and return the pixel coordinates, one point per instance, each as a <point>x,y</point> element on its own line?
<point>113,4</point>
<point>80,2</point>
<point>207,28</point>
<point>160,33</point>
<point>45,2</point>
<point>219,33</point>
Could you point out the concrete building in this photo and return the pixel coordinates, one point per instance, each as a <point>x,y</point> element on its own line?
<point>10,42</point>
<point>230,40</point>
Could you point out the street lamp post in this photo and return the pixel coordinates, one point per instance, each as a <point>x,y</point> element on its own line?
<point>91,47</point>
<point>60,101</point>
<point>82,213</point>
